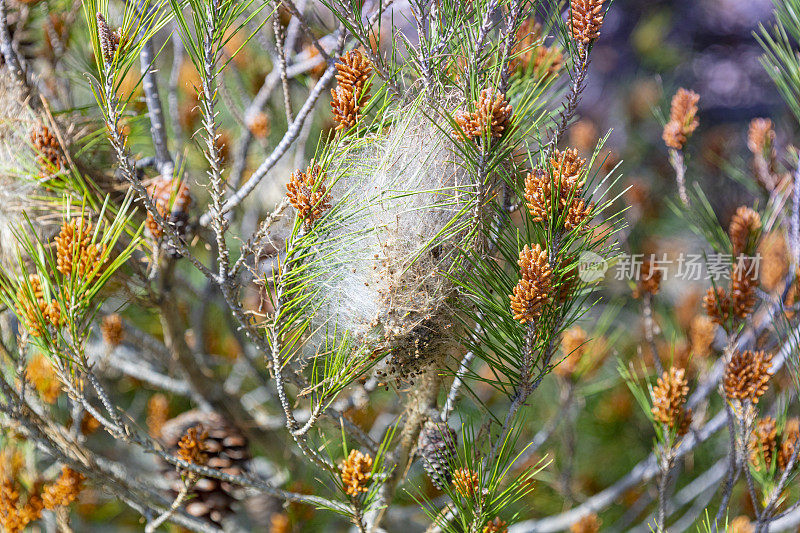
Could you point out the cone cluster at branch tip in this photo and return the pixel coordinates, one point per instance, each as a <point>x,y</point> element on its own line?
<point>747,375</point>
<point>586,19</point>
<point>717,304</point>
<point>75,251</point>
<point>29,309</point>
<point>41,374</point>
<point>567,175</point>
<point>14,517</point>
<point>492,115</point>
<point>761,142</point>
<point>466,482</point>
<point>356,472</point>
<point>532,292</point>
<point>741,299</point>
<point>745,224</point>
<point>767,446</point>
<point>764,443</point>
<point>64,490</point>
<point>352,89</point>
<point>669,397</point>
<point>307,192</point>
<point>682,119</point>
<point>790,439</point>
<point>49,153</point>
<point>743,291</point>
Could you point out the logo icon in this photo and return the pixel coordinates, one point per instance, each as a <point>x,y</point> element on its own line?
<point>591,267</point>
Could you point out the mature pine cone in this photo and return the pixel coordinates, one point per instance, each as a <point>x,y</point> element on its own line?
<point>437,446</point>
<point>226,449</point>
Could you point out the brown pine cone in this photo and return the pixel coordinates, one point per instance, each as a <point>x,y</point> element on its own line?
<point>466,482</point>
<point>747,375</point>
<point>29,309</point>
<point>577,215</point>
<point>437,447</point>
<point>64,490</point>
<point>682,119</point>
<point>586,18</point>
<point>744,229</point>
<point>225,449</point>
<point>566,174</point>
<point>75,251</point>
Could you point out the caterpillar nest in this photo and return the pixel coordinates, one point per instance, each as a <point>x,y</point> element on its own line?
<point>401,213</point>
